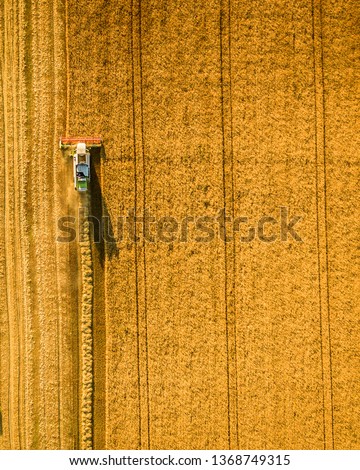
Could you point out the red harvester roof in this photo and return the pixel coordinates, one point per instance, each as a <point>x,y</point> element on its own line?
<point>86,140</point>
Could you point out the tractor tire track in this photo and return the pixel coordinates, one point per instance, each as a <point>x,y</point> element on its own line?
<point>340,82</point>
<point>32,322</point>
<point>140,206</point>
<point>25,155</point>
<point>228,195</point>
<point>322,226</point>
<point>19,296</point>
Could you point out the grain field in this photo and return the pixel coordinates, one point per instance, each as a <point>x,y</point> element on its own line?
<point>185,313</point>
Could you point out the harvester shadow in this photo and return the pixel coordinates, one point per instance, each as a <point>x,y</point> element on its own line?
<point>100,220</point>
<point>104,248</point>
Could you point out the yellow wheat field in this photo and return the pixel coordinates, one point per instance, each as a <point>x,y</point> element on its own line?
<point>243,107</point>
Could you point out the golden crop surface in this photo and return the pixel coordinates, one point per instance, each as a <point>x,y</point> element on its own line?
<point>195,339</point>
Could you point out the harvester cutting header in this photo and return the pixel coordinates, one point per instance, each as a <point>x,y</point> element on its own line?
<point>81,158</point>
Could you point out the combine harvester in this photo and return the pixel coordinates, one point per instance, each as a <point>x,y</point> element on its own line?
<point>81,158</point>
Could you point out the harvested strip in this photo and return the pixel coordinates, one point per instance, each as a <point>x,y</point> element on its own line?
<point>86,329</point>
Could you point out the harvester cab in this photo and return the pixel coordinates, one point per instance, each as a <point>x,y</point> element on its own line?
<point>81,158</point>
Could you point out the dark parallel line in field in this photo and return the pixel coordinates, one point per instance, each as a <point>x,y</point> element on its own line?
<point>53,212</point>
<point>233,216</point>
<point>227,160</point>
<point>5,133</point>
<point>144,208</point>
<point>12,214</point>
<point>14,232</point>
<point>18,240</point>
<point>32,182</point>
<point>318,224</point>
<point>27,114</point>
<point>326,220</point>
<point>320,158</point>
<point>135,228</point>
<point>138,132</point>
